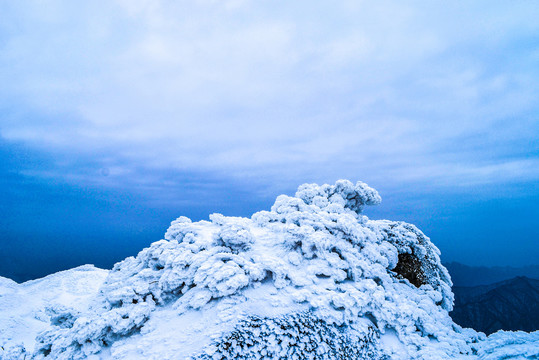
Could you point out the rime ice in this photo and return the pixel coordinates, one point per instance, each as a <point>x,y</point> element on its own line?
<point>311,278</point>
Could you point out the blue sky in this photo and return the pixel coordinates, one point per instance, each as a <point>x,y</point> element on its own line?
<point>118,116</point>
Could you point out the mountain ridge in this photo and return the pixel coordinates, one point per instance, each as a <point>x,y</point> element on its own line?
<point>507,305</point>
<point>469,275</point>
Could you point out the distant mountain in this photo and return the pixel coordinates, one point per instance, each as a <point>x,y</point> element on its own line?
<point>508,305</point>
<point>465,275</point>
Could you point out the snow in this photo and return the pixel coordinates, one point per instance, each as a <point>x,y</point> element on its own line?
<point>28,308</point>
<point>311,278</point>
<point>510,345</point>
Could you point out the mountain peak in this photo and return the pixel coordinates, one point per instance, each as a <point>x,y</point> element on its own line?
<point>311,275</point>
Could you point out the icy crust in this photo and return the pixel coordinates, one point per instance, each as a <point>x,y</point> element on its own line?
<point>315,250</point>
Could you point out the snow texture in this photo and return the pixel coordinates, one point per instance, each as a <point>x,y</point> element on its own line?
<point>313,278</point>
<point>29,308</point>
<point>510,345</point>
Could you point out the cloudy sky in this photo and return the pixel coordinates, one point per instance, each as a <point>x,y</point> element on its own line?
<point>118,116</point>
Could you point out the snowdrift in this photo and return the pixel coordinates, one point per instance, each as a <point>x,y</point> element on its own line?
<point>312,278</point>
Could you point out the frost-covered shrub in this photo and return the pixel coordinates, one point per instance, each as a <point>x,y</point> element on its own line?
<point>62,316</point>
<point>89,335</point>
<point>315,250</point>
<point>345,193</point>
<point>418,259</point>
<point>235,236</point>
<point>297,336</point>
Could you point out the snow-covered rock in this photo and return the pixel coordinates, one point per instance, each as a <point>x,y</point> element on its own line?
<point>312,278</point>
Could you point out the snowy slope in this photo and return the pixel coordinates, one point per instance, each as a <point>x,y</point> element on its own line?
<point>312,278</point>
<point>26,309</point>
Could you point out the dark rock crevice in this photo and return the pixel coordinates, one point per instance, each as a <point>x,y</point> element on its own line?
<point>410,267</point>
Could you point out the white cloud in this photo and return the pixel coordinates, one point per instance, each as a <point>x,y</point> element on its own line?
<point>276,90</point>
